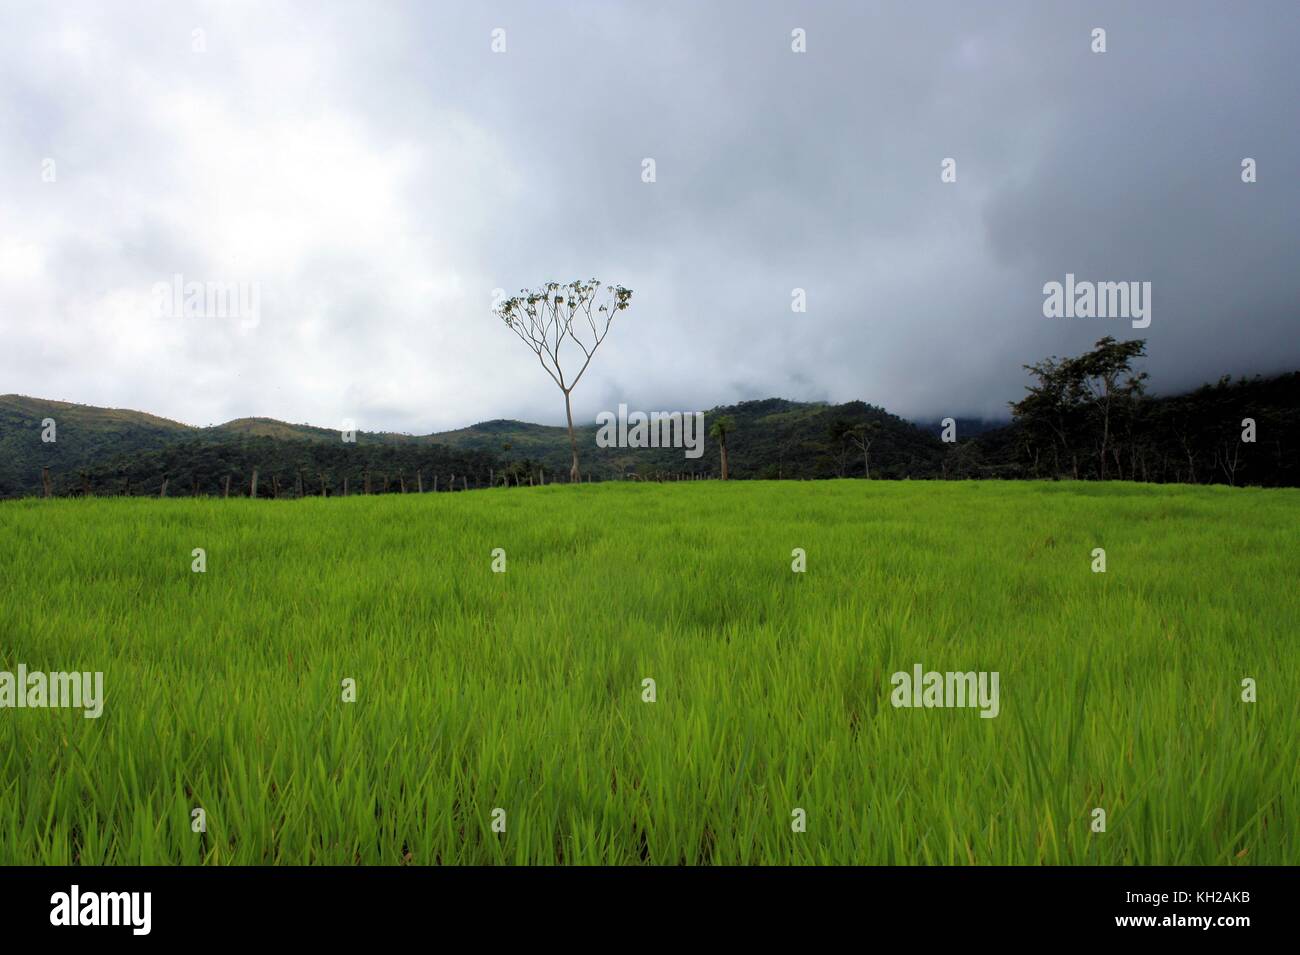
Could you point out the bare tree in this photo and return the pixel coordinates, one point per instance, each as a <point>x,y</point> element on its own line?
<point>861,436</point>
<point>1228,456</point>
<point>844,435</point>
<point>544,318</point>
<point>783,447</point>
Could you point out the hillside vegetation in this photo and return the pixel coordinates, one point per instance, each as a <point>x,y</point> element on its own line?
<point>1194,438</point>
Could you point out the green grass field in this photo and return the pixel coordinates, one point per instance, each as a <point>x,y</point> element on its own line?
<point>523,691</point>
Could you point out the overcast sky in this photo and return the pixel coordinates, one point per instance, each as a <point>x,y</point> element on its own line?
<point>377,170</point>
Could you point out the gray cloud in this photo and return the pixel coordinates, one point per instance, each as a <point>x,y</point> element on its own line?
<point>379,171</point>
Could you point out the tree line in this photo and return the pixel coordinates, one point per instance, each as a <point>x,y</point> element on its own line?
<point>1087,417</point>
<point>1090,418</point>
<point>277,468</point>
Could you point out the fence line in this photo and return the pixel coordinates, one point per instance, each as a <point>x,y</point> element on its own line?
<point>257,486</point>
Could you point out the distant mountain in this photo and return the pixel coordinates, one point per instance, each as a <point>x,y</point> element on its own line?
<point>773,438</point>
<point>116,448</point>
<point>88,438</point>
<point>1192,437</point>
<point>82,436</point>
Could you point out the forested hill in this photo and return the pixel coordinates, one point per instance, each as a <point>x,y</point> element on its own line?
<point>113,450</point>
<point>1192,438</point>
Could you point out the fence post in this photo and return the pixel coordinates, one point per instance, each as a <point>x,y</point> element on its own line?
<point>345,485</point>
<point>464,483</point>
<point>163,490</point>
<point>253,485</point>
<point>419,481</point>
<point>366,475</point>
<point>227,491</point>
<point>45,481</point>
<point>322,485</point>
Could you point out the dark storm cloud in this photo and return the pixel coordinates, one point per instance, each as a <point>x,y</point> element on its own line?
<point>433,171</point>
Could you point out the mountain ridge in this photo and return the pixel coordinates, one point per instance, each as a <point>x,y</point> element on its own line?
<point>89,439</point>
<point>1192,437</point>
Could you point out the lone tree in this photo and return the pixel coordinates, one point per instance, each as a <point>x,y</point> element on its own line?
<point>722,427</point>
<point>861,437</point>
<point>544,318</point>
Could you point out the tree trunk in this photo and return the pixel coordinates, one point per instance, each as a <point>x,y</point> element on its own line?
<point>574,476</point>
<point>724,458</point>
